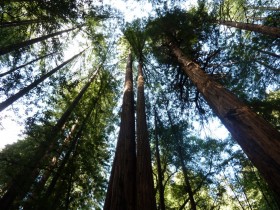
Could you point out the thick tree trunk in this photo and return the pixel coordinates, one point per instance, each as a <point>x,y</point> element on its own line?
<point>121,190</point>
<point>144,177</point>
<point>25,90</point>
<point>22,182</point>
<point>159,170</point>
<point>19,23</point>
<point>10,48</point>
<point>26,64</point>
<point>267,30</point>
<point>259,140</point>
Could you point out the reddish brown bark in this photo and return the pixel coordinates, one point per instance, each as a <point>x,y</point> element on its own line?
<point>121,189</point>
<point>259,140</point>
<point>267,30</point>
<point>144,177</point>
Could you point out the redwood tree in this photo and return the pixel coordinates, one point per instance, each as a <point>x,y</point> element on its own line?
<point>258,139</point>
<point>121,190</point>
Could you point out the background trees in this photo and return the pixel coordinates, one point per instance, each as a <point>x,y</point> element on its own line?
<point>193,167</point>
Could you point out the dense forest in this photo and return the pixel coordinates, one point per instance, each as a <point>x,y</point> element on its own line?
<point>120,104</point>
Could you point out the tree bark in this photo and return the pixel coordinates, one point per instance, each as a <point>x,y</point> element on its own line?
<point>26,64</point>
<point>19,23</point>
<point>22,182</point>
<point>258,139</point>
<point>27,43</point>
<point>25,90</point>
<point>144,177</point>
<point>159,170</point>
<point>121,190</point>
<point>267,30</point>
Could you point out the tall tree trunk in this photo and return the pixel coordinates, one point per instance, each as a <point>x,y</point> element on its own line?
<point>144,176</point>
<point>12,47</point>
<point>159,170</point>
<point>121,190</point>
<point>37,189</point>
<point>73,145</point>
<point>267,52</point>
<point>264,8</point>
<point>186,178</point>
<point>179,151</point>
<point>22,182</point>
<point>19,23</point>
<point>25,90</point>
<point>258,139</point>
<point>26,64</point>
<point>267,30</point>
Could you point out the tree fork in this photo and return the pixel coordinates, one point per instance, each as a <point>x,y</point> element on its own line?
<point>259,140</point>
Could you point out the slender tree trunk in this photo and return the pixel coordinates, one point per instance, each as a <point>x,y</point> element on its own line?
<point>275,70</point>
<point>179,151</point>
<point>34,84</point>
<point>159,170</point>
<point>144,177</point>
<point>264,8</point>
<point>73,145</point>
<point>22,182</point>
<point>19,23</point>
<point>268,53</point>
<point>258,139</point>
<point>26,64</point>
<point>267,30</point>
<point>121,190</point>
<point>10,48</point>
<point>36,192</point>
<point>186,179</point>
